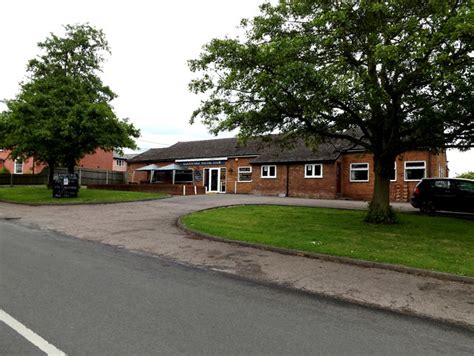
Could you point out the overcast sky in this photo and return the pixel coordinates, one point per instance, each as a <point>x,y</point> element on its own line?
<point>151,42</point>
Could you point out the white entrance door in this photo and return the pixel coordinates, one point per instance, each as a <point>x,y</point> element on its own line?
<point>214,180</point>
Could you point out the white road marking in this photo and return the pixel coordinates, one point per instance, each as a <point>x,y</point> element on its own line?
<point>31,336</point>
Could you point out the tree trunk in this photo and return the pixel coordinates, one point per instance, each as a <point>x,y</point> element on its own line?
<point>380,211</point>
<point>71,163</point>
<point>50,174</point>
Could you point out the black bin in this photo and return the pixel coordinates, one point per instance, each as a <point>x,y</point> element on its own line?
<point>66,186</point>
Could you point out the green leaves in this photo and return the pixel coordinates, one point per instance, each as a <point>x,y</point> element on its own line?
<point>63,111</point>
<point>399,71</point>
<point>388,75</point>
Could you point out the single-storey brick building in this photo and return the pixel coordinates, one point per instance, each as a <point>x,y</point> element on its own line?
<point>331,171</point>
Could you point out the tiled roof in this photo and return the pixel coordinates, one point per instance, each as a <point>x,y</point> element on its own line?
<point>151,155</point>
<point>265,152</point>
<point>226,147</point>
<point>125,156</point>
<point>129,156</point>
<point>298,152</point>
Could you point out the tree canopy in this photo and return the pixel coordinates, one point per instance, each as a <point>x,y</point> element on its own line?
<point>63,111</point>
<point>467,175</point>
<point>388,75</point>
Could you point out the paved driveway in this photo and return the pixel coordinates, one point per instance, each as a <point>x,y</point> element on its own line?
<point>151,227</point>
<point>139,305</point>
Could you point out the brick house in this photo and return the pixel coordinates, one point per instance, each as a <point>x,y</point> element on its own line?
<point>331,171</point>
<point>99,160</point>
<point>120,161</point>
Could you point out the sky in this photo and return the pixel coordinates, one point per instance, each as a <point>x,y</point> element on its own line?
<point>151,42</point>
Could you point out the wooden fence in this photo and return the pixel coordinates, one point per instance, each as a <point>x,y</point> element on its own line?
<point>86,177</point>
<point>23,179</point>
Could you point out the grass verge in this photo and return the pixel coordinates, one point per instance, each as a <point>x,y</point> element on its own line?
<point>42,195</point>
<point>429,242</point>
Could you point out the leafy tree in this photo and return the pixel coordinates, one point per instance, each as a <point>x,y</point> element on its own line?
<point>63,110</point>
<point>389,76</point>
<point>468,175</point>
<point>4,170</point>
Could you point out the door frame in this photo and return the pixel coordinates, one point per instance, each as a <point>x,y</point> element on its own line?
<point>218,180</point>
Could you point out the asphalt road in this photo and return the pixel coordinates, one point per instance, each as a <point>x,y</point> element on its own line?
<point>88,298</point>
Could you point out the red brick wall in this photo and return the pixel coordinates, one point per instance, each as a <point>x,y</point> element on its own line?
<point>233,185</point>
<point>269,186</point>
<point>100,159</point>
<point>400,189</point>
<point>29,166</point>
<point>135,176</point>
<point>177,189</point>
<point>298,185</point>
<point>357,190</point>
<point>322,188</point>
<point>232,167</point>
<point>325,187</point>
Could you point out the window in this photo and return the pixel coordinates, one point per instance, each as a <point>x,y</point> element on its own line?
<point>359,172</point>
<point>313,171</point>
<point>269,171</point>
<point>415,170</point>
<point>18,169</point>
<point>393,174</point>
<point>183,176</point>
<point>120,162</point>
<point>443,184</point>
<point>466,187</point>
<point>245,174</point>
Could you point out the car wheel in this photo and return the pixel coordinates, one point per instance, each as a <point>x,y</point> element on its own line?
<point>427,207</point>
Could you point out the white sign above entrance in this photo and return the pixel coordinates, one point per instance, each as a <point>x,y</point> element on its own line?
<point>218,161</point>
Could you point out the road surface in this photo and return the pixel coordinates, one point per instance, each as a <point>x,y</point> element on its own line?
<point>86,298</point>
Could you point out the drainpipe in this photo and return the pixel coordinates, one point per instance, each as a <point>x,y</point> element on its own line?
<point>428,169</point>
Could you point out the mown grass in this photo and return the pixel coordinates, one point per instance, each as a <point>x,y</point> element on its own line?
<point>42,195</point>
<point>429,242</point>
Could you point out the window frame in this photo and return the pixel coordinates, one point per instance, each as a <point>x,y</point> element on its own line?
<point>15,171</point>
<point>459,184</point>
<point>269,176</point>
<point>405,171</point>
<point>313,175</point>
<point>359,169</point>
<point>249,172</point>
<point>395,170</point>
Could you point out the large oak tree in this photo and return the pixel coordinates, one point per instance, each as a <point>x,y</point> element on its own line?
<point>390,76</point>
<point>63,110</point>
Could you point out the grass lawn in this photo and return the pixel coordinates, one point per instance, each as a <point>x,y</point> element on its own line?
<point>429,242</point>
<point>42,195</point>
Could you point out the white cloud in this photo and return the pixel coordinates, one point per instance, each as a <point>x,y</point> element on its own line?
<point>151,42</point>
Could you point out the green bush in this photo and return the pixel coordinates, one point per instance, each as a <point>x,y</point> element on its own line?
<point>375,216</point>
<point>4,170</point>
<point>468,175</point>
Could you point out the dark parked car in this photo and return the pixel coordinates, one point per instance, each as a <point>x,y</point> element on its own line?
<point>448,194</point>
